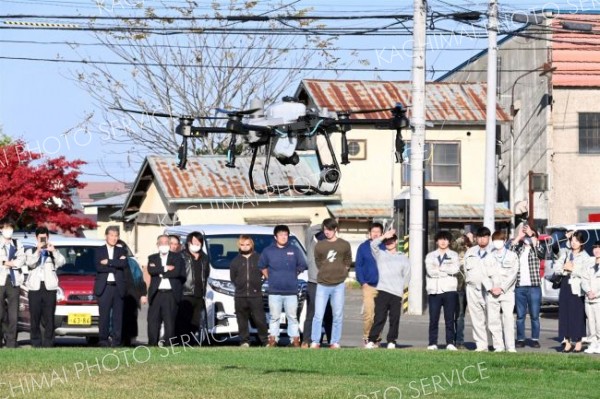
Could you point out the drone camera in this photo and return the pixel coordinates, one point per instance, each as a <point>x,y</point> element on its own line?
<point>330,174</point>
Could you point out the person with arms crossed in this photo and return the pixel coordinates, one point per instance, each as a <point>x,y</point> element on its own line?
<point>247,280</point>
<point>442,266</point>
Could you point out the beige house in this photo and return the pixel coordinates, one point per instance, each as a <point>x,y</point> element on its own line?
<point>454,153</point>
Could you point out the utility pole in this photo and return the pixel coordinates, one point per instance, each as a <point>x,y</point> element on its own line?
<point>490,139</point>
<point>417,150</point>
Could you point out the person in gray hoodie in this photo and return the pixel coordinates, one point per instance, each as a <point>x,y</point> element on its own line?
<point>313,236</point>
<point>394,274</point>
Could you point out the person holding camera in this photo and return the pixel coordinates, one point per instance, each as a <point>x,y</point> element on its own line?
<point>528,291</point>
<point>571,309</point>
<point>11,278</point>
<point>42,261</point>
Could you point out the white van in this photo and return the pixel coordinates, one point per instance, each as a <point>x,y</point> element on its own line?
<point>557,240</point>
<point>221,246</point>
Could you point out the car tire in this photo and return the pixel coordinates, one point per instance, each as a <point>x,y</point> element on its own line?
<point>92,341</point>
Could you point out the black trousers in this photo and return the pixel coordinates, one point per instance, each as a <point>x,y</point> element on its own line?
<point>163,309</point>
<point>449,301</point>
<point>42,304</point>
<point>187,321</point>
<point>9,306</point>
<point>130,316</point>
<point>311,292</point>
<point>386,304</point>
<point>110,309</point>
<point>246,307</point>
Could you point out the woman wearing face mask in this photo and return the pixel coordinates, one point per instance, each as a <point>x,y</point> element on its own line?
<point>500,286</point>
<point>571,309</point>
<point>192,304</point>
<point>528,293</point>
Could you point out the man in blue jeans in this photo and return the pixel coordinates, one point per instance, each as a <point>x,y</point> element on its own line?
<point>333,257</point>
<point>528,293</point>
<point>281,263</point>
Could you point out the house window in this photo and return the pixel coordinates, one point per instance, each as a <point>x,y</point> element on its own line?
<point>442,163</point>
<point>589,133</point>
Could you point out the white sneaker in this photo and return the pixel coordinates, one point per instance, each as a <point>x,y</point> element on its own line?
<point>245,345</point>
<point>391,345</point>
<point>432,348</point>
<point>315,345</point>
<point>593,348</point>
<point>371,345</point>
<point>498,350</point>
<point>481,350</point>
<point>451,347</point>
<point>512,350</point>
<point>334,346</point>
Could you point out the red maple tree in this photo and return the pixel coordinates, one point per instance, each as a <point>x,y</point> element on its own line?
<point>36,190</point>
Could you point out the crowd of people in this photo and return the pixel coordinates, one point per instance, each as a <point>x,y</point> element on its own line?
<point>487,274</point>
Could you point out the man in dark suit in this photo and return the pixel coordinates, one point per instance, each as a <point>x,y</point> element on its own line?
<point>110,286</point>
<point>167,272</point>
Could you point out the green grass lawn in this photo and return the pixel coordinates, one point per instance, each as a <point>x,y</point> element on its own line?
<point>234,373</point>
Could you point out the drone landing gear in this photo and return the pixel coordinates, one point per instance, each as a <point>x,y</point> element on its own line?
<point>329,174</point>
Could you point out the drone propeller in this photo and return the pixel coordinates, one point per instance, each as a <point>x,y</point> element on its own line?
<point>242,113</point>
<point>370,111</point>
<point>164,115</point>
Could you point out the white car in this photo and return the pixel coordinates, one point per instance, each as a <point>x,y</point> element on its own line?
<point>556,240</point>
<point>221,241</point>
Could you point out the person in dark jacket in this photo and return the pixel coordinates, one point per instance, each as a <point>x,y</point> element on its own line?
<point>167,272</point>
<point>135,296</point>
<point>247,280</point>
<point>192,305</point>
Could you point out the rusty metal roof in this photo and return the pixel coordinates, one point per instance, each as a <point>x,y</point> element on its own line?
<point>447,212</point>
<point>446,102</point>
<point>207,178</point>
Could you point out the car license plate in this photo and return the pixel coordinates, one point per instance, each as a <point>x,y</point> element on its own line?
<point>79,319</point>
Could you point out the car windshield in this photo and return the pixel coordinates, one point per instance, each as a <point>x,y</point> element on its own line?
<point>591,236</point>
<point>78,260</point>
<point>223,248</point>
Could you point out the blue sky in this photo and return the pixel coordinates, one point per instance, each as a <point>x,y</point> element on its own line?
<point>39,101</point>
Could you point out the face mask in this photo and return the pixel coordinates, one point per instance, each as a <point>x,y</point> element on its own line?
<point>498,244</point>
<point>7,233</point>
<point>194,248</point>
<point>163,249</point>
<point>249,251</point>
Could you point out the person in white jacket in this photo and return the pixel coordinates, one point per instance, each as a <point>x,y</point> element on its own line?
<point>499,284</point>
<point>442,267</point>
<point>477,261</point>
<point>590,284</point>
<point>42,284</point>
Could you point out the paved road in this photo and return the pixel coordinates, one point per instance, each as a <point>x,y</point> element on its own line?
<point>413,329</point>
